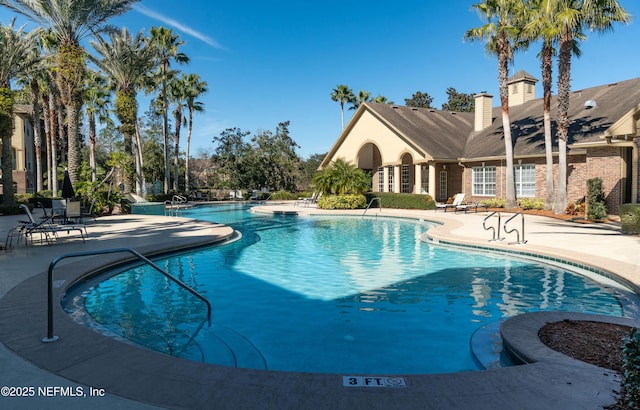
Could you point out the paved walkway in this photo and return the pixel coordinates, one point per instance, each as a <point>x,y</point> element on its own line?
<point>133,378</point>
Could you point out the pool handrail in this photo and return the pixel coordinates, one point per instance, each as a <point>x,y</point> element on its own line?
<point>371,203</point>
<point>518,242</point>
<point>495,237</point>
<point>50,336</point>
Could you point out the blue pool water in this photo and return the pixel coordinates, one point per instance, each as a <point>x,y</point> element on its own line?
<point>332,294</point>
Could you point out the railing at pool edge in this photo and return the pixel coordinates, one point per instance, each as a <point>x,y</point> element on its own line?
<point>371,203</point>
<point>496,236</point>
<point>50,336</point>
<point>518,242</point>
<point>175,203</point>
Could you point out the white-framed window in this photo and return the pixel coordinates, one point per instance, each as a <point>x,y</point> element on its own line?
<point>380,179</point>
<point>391,171</point>
<point>425,180</point>
<point>404,178</point>
<point>484,181</point>
<point>442,185</point>
<point>525,177</point>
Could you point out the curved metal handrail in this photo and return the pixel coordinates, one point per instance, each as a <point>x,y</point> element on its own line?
<point>371,203</point>
<point>51,338</point>
<point>495,235</point>
<point>176,201</point>
<point>516,229</point>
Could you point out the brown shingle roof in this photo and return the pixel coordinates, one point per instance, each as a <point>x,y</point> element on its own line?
<point>587,125</point>
<point>442,134</point>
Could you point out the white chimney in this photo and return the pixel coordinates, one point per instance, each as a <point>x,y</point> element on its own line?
<point>483,110</point>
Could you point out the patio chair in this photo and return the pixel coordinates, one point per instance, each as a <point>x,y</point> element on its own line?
<point>313,199</point>
<point>73,212</point>
<point>457,200</point>
<point>467,207</point>
<point>58,209</point>
<point>49,229</point>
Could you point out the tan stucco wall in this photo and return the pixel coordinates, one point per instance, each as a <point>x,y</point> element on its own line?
<point>369,130</point>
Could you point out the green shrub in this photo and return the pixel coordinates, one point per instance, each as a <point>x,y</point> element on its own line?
<point>493,203</point>
<point>531,203</point>
<point>631,373</point>
<point>342,202</point>
<point>401,201</point>
<point>596,205</point>
<point>630,218</point>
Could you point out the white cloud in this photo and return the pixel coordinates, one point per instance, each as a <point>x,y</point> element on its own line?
<point>177,25</point>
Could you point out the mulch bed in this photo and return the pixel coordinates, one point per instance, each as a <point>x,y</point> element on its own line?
<point>592,342</point>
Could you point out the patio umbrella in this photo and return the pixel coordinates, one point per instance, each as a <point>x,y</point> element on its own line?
<point>67,187</point>
<point>67,192</point>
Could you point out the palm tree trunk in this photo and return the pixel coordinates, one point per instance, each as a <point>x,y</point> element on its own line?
<point>504,52</point>
<point>92,147</point>
<point>186,160</point>
<point>73,143</point>
<point>176,158</point>
<point>141,185</point>
<point>564,78</point>
<point>548,143</point>
<point>53,154</point>
<point>37,137</point>
<point>165,128</point>
<point>47,135</point>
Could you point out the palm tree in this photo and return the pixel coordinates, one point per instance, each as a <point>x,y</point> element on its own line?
<point>127,60</point>
<point>342,94</point>
<point>502,32</point>
<point>31,78</point>
<point>70,21</point>
<point>15,54</point>
<point>362,97</point>
<point>341,178</point>
<point>572,17</point>
<point>541,15</point>
<point>97,99</point>
<point>194,89</point>
<point>166,45</point>
<point>381,99</point>
<point>177,95</point>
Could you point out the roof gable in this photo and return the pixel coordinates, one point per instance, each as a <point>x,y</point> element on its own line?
<point>441,134</point>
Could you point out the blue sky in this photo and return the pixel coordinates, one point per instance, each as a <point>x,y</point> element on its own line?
<point>273,61</point>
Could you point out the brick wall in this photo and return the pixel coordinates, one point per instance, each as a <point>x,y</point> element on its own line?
<point>605,162</point>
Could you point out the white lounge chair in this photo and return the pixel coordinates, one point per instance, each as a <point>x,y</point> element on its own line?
<point>457,200</point>
<point>309,200</point>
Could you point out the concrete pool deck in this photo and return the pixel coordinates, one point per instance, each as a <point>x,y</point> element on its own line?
<point>134,378</point>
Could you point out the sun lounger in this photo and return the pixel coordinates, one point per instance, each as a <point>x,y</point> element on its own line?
<point>309,200</point>
<point>467,207</point>
<point>47,230</point>
<point>457,200</point>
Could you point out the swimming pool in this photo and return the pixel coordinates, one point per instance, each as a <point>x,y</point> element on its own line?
<point>332,294</point>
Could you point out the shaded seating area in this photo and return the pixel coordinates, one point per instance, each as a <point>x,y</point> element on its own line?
<point>45,229</point>
<point>457,201</point>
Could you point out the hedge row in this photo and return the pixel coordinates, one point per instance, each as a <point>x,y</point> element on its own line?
<point>401,201</point>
